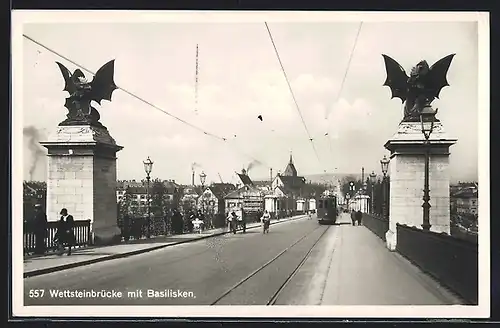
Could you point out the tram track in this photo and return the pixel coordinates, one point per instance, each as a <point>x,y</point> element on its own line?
<point>272,300</point>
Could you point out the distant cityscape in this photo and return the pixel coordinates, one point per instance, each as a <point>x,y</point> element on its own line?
<point>288,192</point>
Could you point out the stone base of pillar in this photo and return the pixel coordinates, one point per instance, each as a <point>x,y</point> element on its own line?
<point>82,178</point>
<point>407,171</point>
<point>391,240</point>
<point>106,236</point>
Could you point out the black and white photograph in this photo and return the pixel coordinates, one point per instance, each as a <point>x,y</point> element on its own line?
<point>250,164</point>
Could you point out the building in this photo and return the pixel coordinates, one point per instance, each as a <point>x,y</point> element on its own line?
<point>465,201</point>
<point>212,200</point>
<point>34,192</point>
<point>243,179</point>
<point>136,194</point>
<point>288,191</point>
<point>189,198</point>
<point>249,198</point>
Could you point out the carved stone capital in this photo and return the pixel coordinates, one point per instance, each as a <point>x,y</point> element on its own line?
<point>81,134</point>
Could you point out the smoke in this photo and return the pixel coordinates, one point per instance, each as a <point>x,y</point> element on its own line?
<point>252,165</point>
<point>33,136</point>
<point>195,166</point>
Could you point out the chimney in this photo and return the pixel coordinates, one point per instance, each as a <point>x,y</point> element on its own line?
<point>271,174</point>
<point>192,179</point>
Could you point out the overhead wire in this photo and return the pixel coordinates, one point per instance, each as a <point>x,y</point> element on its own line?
<point>223,139</point>
<point>311,140</point>
<point>339,93</point>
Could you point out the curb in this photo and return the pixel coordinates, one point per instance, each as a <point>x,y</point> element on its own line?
<point>40,272</point>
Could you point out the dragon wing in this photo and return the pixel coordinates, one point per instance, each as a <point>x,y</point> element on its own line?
<point>437,75</point>
<point>396,78</point>
<point>103,84</point>
<point>68,82</point>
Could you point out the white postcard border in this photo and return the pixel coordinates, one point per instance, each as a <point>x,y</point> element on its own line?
<point>20,17</point>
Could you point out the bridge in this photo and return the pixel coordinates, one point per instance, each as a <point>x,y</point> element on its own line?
<point>298,263</point>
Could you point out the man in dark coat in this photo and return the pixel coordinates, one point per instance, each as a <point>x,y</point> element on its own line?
<point>359,217</point>
<point>69,235</point>
<point>176,222</point>
<point>353,217</point>
<point>40,229</point>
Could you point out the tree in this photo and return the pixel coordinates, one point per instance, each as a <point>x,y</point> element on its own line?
<point>158,195</point>
<point>188,204</point>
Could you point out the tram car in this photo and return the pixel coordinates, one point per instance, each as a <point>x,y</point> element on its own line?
<point>327,210</point>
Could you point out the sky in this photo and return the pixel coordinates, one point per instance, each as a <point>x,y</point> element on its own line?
<point>240,78</point>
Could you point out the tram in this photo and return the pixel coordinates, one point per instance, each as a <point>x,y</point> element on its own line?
<point>327,210</point>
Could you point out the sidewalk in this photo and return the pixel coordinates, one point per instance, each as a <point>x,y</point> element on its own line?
<point>362,271</point>
<point>35,266</point>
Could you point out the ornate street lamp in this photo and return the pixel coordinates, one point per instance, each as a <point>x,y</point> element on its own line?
<point>148,167</point>
<point>384,163</point>
<point>373,179</point>
<point>427,119</point>
<point>203,177</point>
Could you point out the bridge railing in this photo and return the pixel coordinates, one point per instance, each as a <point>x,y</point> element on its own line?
<point>137,227</point>
<point>376,224</point>
<point>81,230</point>
<point>452,261</point>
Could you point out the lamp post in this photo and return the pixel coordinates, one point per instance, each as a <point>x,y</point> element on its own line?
<point>148,167</point>
<point>373,179</point>
<point>352,189</point>
<point>427,118</point>
<point>347,197</point>
<point>384,163</point>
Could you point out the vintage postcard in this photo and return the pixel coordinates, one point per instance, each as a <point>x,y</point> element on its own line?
<point>250,164</point>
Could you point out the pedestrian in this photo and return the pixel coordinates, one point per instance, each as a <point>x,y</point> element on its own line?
<point>40,229</point>
<point>197,225</point>
<point>266,220</point>
<point>68,234</point>
<point>176,222</point>
<point>190,220</point>
<point>353,217</point>
<point>359,217</point>
<point>201,217</point>
<point>243,220</point>
<point>59,237</point>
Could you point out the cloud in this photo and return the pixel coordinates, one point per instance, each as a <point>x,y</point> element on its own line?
<point>240,78</point>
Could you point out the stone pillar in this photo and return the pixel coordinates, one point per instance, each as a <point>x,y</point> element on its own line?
<point>407,147</point>
<point>82,178</point>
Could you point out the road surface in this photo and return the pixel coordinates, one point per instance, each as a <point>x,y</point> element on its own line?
<point>298,263</point>
<point>201,272</point>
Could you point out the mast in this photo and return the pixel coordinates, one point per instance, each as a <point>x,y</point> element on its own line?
<point>196,83</point>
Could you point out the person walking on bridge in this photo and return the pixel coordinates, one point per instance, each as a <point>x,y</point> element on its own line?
<point>353,217</point>
<point>359,217</point>
<point>40,227</point>
<point>266,220</point>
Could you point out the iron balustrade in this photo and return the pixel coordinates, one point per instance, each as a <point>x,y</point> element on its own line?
<point>452,261</point>
<point>81,229</point>
<point>376,224</point>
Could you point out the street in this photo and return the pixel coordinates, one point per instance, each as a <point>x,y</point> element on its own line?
<point>298,262</point>
<point>205,270</point>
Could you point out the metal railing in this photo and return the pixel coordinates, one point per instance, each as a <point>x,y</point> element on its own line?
<point>81,229</point>
<point>376,224</point>
<point>452,261</point>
